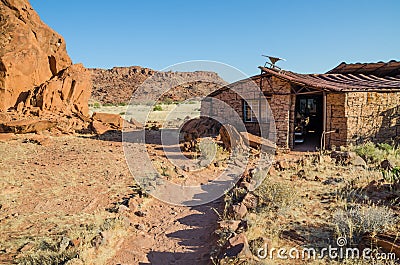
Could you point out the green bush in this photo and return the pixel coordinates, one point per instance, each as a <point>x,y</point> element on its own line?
<point>385,147</point>
<point>168,101</point>
<point>377,153</point>
<point>157,108</point>
<point>370,152</point>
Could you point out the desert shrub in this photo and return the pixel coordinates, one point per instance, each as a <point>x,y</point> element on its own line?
<point>96,105</point>
<point>376,153</point>
<point>157,108</point>
<point>385,147</point>
<point>276,195</point>
<point>358,220</point>
<point>47,252</point>
<point>392,175</point>
<point>47,257</point>
<point>370,152</point>
<point>207,149</point>
<point>167,101</point>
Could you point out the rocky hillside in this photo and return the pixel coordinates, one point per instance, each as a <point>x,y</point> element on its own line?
<point>117,85</point>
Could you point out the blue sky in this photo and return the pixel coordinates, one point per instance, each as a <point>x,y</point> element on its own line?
<point>313,36</point>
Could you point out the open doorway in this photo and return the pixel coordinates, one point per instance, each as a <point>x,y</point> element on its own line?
<point>308,122</point>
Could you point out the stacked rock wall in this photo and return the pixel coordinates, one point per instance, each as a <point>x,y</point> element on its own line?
<point>372,116</point>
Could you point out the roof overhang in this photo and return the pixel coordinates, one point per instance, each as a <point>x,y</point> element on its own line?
<point>338,82</point>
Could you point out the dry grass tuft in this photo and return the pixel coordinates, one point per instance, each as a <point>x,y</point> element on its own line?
<point>354,222</point>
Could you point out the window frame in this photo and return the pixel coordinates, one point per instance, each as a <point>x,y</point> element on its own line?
<point>259,107</point>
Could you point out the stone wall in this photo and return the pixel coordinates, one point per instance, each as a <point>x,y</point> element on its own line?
<point>361,117</point>
<point>372,116</point>
<point>282,106</point>
<point>336,120</point>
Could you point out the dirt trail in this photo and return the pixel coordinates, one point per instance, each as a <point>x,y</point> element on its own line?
<point>170,235</point>
<point>52,185</point>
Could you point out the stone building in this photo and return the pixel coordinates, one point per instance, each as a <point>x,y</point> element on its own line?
<point>350,104</point>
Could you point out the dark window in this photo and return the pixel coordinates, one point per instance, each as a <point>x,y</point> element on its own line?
<point>308,105</point>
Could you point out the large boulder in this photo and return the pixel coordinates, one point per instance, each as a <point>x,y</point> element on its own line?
<point>104,122</point>
<point>194,129</point>
<point>115,121</point>
<point>31,52</point>
<point>236,247</point>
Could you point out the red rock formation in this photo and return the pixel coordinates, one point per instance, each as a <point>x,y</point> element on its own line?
<point>66,93</point>
<point>113,120</point>
<point>30,54</point>
<point>40,88</point>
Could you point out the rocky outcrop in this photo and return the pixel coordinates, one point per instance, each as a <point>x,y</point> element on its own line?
<point>117,85</point>
<point>30,52</point>
<point>40,88</point>
<point>26,126</point>
<point>66,93</point>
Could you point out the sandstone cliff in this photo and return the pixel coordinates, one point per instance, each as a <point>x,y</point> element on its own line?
<point>30,52</point>
<point>39,85</point>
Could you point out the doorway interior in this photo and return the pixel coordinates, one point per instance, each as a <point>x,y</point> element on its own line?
<point>308,122</point>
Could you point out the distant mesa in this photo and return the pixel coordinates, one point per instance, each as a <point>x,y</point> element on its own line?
<point>117,85</point>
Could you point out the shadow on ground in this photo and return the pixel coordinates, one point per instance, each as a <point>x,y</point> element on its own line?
<point>197,240</point>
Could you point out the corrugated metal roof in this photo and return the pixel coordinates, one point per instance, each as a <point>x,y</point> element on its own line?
<point>379,69</point>
<point>339,82</point>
